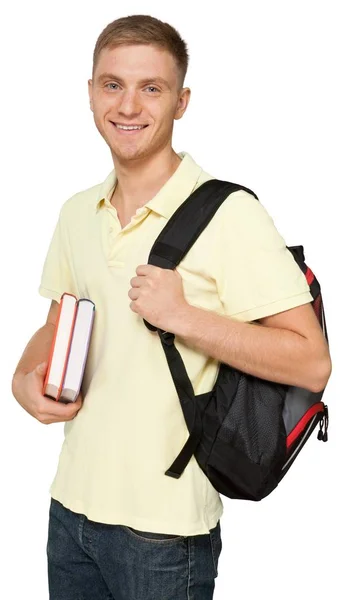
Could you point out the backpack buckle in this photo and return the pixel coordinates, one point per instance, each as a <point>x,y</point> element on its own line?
<point>166,337</point>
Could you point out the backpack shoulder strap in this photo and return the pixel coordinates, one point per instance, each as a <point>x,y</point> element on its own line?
<point>188,222</point>
<point>170,247</point>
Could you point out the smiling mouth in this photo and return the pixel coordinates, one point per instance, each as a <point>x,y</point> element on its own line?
<point>128,128</point>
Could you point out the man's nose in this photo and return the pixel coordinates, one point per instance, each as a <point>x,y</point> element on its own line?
<point>129,104</point>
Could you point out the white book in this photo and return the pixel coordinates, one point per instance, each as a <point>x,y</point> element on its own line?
<point>79,350</point>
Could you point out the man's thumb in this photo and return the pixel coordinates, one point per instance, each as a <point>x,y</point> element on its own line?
<point>41,368</point>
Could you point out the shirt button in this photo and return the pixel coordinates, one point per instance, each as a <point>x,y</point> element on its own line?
<point>111,229</point>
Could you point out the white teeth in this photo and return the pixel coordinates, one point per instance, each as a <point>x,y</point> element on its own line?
<point>129,128</point>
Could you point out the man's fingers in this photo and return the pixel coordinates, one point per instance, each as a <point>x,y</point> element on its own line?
<point>142,269</point>
<point>147,270</point>
<point>135,282</point>
<point>133,294</point>
<point>41,368</point>
<point>59,409</point>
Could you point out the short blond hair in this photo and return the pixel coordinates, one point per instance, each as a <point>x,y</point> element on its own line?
<point>143,29</point>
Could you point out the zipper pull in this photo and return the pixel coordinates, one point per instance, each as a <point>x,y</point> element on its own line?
<point>320,432</point>
<point>325,435</point>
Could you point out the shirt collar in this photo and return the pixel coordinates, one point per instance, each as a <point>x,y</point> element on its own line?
<point>178,187</point>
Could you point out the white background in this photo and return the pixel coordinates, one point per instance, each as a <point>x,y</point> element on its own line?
<point>267,111</point>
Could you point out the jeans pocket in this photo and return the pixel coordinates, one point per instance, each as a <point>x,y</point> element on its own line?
<point>216,546</point>
<point>154,537</point>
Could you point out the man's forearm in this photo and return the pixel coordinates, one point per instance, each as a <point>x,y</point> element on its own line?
<point>275,354</point>
<point>36,351</point>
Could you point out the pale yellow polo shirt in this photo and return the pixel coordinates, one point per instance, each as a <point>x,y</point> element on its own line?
<point>131,427</point>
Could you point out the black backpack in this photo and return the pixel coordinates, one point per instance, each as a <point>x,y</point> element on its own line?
<point>246,432</point>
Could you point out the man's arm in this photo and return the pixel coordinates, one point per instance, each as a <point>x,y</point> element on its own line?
<point>288,347</point>
<point>38,348</point>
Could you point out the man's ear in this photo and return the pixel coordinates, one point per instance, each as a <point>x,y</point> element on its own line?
<point>183,102</point>
<point>89,85</point>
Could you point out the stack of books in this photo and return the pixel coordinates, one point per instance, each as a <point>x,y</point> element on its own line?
<point>69,350</point>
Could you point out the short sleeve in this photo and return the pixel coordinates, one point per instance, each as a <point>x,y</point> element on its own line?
<point>57,276</point>
<point>257,275</point>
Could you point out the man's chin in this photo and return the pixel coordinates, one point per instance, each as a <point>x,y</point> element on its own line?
<point>125,154</point>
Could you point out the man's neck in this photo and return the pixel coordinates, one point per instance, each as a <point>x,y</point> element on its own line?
<point>139,181</point>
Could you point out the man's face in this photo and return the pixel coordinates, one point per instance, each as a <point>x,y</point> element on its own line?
<point>136,85</point>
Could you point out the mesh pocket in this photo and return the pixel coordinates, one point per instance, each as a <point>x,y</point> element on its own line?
<point>254,424</point>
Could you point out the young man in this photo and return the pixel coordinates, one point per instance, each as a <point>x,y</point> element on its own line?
<point>120,528</point>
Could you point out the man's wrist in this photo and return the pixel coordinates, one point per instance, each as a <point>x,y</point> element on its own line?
<point>182,323</point>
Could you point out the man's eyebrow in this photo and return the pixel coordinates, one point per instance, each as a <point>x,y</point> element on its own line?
<point>113,77</point>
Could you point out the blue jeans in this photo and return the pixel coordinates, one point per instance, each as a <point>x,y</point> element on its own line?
<point>95,561</point>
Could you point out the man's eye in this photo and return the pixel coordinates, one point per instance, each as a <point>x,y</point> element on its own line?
<point>114,86</point>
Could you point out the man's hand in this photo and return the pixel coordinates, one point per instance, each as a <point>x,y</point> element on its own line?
<point>157,296</point>
<point>27,389</point>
